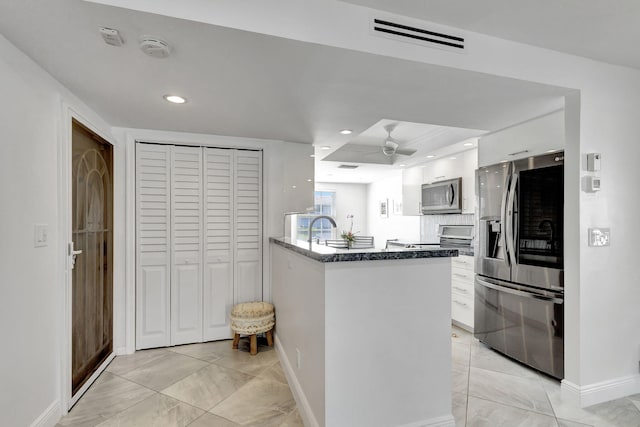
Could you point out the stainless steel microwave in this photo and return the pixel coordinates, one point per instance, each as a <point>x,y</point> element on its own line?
<point>442,197</point>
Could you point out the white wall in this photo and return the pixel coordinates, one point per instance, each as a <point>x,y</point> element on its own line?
<point>351,199</point>
<point>394,226</point>
<point>33,123</point>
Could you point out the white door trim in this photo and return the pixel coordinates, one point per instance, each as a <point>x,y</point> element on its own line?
<point>68,113</point>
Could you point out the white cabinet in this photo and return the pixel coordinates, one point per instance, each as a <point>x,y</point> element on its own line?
<point>462,291</point>
<point>199,241</point>
<point>527,139</point>
<point>412,180</point>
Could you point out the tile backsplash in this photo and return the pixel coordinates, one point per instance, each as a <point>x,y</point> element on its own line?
<point>429,225</point>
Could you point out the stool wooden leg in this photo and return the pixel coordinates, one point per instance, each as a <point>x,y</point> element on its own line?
<point>254,345</point>
<point>270,337</point>
<point>236,341</point>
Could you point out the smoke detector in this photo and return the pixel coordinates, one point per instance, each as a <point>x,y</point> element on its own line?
<point>154,47</point>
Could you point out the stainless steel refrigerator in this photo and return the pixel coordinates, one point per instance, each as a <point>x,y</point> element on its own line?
<point>519,284</point>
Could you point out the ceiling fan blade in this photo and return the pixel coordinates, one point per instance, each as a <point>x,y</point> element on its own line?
<point>406,151</point>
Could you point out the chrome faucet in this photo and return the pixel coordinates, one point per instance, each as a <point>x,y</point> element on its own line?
<point>331,220</point>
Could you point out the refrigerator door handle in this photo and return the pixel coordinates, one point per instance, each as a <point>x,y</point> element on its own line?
<point>517,292</point>
<point>503,216</point>
<point>510,236</point>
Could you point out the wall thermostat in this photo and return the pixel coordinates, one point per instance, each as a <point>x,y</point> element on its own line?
<point>593,162</point>
<point>592,184</point>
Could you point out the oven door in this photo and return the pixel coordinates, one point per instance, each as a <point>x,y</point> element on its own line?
<point>526,324</point>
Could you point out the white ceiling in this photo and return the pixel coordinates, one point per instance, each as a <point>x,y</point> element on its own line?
<point>604,30</point>
<point>252,85</point>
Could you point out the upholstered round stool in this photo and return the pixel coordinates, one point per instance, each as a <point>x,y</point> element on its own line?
<point>251,318</point>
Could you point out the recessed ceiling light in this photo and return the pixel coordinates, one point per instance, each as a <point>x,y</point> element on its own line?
<point>430,156</point>
<point>346,131</point>
<point>293,186</point>
<point>468,144</point>
<point>452,158</point>
<point>504,161</point>
<point>312,155</point>
<point>175,99</point>
<point>309,180</point>
<point>551,151</point>
<point>402,165</point>
<point>325,147</point>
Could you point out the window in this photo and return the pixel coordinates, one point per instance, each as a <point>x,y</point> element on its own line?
<point>324,204</point>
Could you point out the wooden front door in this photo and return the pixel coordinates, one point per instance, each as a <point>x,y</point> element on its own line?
<point>92,279</point>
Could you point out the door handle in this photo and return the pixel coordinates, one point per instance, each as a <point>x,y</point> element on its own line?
<point>453,194</point>
<point>530,295</point>
<point>73,254</point>
<point>510,235</point>
<point>503,216</point>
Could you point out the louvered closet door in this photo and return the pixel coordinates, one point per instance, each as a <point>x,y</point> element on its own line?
<point>153,169</point>
<point>248,225</point>
<point>218,245</point>
<point>186,243</point>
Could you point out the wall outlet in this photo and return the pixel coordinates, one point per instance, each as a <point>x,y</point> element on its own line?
<point>298,359</point>
<point>599,237</point>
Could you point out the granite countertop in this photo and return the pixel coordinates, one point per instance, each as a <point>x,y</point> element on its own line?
<point>324,253</point>
<point>461,251</point>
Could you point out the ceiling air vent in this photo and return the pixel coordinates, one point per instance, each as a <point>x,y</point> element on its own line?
<point>413,34</point>
<point>348,167</point>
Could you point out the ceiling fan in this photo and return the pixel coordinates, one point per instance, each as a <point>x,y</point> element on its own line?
<point>390,146</point>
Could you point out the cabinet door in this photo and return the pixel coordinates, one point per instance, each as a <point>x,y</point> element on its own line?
<point>186,244</point>
<point>218,244</point>
<point>153,195</point>
<point>412,191</point>
<point>247,195</point>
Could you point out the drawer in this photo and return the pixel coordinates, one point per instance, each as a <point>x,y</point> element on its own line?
<point>463,262</point>
<point>461,275</point>
<point>462,288</point>
<point>462,309</point>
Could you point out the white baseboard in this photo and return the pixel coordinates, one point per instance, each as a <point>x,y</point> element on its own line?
<point>446,421</point>
<point>121,351</point>
<point>604,391</point>
<point>304,408</point>
<point>50,416</point>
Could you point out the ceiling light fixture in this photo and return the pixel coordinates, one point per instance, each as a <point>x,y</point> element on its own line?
<point>430,156</point>
<point>346,131</point>
<point>312,155</point>
<point>468,144</point>
<point>402,165</point>
<point>325,147</point>
<point>452,158</point>
<point>175,99</point>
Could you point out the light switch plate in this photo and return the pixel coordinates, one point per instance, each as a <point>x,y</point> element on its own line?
<point>41,235</point>
<point>599,237</point>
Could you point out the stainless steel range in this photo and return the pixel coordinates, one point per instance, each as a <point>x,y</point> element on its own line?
<point>519,285</point>
<point>450,237</point>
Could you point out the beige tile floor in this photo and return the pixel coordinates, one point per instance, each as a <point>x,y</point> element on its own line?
<point>211,385</point>
<point>490,390</point>
<point>198,385</point>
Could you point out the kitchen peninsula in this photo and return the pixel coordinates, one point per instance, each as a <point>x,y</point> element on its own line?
<point>364,334</point>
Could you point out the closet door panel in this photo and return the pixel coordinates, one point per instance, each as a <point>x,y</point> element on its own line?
<point>248,226</point>
<point>186,245</point>
<point>153,195</point>
<point>219,237</point>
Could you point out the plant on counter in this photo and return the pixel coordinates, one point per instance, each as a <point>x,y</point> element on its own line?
<point>349,236</point>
